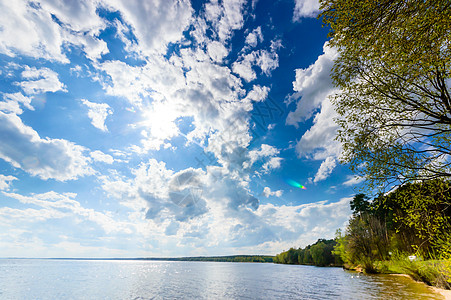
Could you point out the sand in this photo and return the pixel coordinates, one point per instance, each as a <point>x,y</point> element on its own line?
<point>444,293</point>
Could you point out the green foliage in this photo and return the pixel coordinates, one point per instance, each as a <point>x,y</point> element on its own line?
<point>423,212</point>
<point>318,254</point>
<point>341,249</point>
<point>393,72</point>
<point>360,204</point>
<point>413,219</point>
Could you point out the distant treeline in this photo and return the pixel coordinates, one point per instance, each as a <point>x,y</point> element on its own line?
<point>318,254</point>
<point>232,258</point>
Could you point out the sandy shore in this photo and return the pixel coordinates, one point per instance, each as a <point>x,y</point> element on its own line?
<point>443,292</point>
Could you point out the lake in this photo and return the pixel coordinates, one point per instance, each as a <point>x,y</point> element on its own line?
<point>135,279</point>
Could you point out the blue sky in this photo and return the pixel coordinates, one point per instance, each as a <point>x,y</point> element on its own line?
<point>166,128</point>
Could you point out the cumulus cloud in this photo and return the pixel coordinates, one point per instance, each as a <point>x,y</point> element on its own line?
<point>207,92</point>
<point>264,151</point>
<point>165,194</point>
<point>273,163</point>
<point>5,181</point>
<point>12,103</point>
<point>319,141</point>
<point>31,29</point>
<point>56,205</point>
<point>102,157</point>
<point>326,168</point>
<point>225,16</point>
<point>98,112</point>
<point>298,225</point>
<point>217,51</point>
<point>155,23</point>
<point>187,197</point>
<point>244,67</point>
<point>258,93</point>
<point>40,81</point>
<point>80,16</point>
<point>254,37</point>
<point>312,87</point>
<point>212,210</point>
<point>267,61</point>
<point>267,192</point>
<point>46,158</point>
<point>305,9</point>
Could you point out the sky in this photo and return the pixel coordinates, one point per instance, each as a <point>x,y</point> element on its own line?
<point>133,128</point>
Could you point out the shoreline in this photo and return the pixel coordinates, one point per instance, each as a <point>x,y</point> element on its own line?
<point>445,293</point>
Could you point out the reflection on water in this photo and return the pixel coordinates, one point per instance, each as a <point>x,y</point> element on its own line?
<point>76,279</point>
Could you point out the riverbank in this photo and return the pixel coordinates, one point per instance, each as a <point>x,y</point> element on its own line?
<point>434,273</point>
<point>443,292</point>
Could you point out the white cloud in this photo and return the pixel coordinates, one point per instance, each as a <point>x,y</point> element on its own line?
<point>267,192</point>
<point>5,181</point>
<point>353,180</point>
<point>244,67</point>
<point>207,92</point>
<point>80,16</point>
<point>266,153</point>
<point>258,93</point>
<point>273,163</point>
<point>29,30</point>
<point>81,24</point>
<point>312,86</point>
<point>165,194</point>
<point>226,17</point>
<point>254,37</point>
<point>217,51</point>
<point>102,157</point>
<point>267,61</point>
<point>40,81</point>
<point>211,210</point>
<point>13,102</point>
<point>155,23</point>
<point>326,168</point>
<point>305,9</point>
<point>98,112</point>
<point>56,205</point>
<point>47,158</point>
<point>319,141</point>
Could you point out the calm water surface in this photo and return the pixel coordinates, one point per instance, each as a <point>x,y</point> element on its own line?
<point>78,279</point>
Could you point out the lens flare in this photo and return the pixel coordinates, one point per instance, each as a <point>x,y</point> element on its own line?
<point>296,184</point>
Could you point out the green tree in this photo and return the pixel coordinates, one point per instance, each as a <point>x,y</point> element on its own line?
<point>424,211</point>
<point>359,204</point>
<point>342,249</point>
<point>308,260</point>
<point>393,71</point>
<point>318,254</point>
<point>292,256</point>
